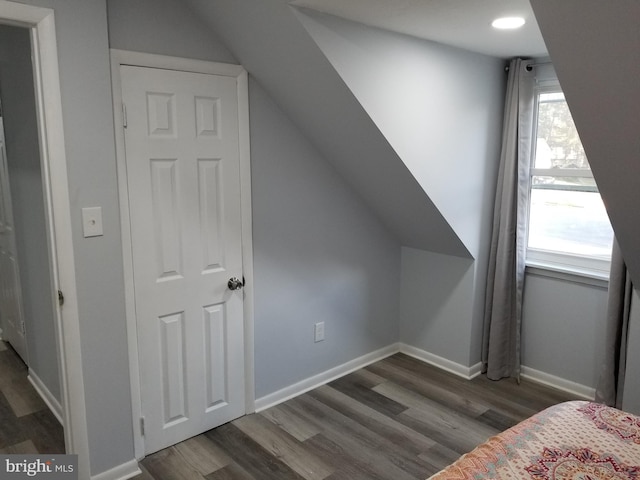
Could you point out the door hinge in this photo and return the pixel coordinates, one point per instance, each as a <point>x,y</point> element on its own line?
<point>142,426</point>
<point>60,298</point>
<point>124,115</point>
<point>23,328</point>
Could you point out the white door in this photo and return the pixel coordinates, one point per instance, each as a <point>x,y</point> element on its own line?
<point>183,174</point>
<point>11,314</point>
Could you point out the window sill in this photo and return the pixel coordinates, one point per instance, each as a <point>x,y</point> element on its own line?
<point>593,278</point>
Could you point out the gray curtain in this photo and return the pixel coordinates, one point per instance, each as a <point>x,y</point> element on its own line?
<point>612,374</point>
<point>505,279</point>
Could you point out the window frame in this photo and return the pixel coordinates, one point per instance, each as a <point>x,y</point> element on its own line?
<point>560,262</point>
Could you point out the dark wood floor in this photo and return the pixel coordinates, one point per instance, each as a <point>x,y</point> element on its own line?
<point>397,419</point>
<point>26,423</point>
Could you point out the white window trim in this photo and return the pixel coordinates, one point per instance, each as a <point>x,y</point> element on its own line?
<point>581,269</point>
<point>576,265</point>
<point>560,172</point>
<point>573,276</point>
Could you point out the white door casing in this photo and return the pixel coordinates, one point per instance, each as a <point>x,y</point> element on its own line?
<point>11,310</point>
<point>183,179</point>
<point>41,23</point>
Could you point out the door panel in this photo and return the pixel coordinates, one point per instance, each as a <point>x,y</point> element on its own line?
<point>183,176</point>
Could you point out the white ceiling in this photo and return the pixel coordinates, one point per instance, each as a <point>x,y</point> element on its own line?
<point>461,23</point>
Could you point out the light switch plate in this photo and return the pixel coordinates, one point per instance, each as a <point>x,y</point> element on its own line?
<point>92,221</point>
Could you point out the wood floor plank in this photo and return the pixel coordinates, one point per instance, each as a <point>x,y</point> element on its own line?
<point>438,416</point>
<point>497,420</point>
<point>168,464</point>
<point>232,471</point>
<point>11,365</point>
<point>22,397</point>
<point>506,405</point>
<point>350,386</point>
<point>347,466</point>
<point>284,447</point>
<point>517,401</point>
<point>439,456</point>
<point>22,448</point>
<point>373,420</point>
<point>11,431</point>
<point>528,394</point>
<point>285,418</point>
<point>249,455</point>
<point>366,378</point>
<point>452,438</point>
<point>397,419</point>
<point>442,390</point>
<point>44,430</point>
<point>388,459</point>
<point>202,454</point>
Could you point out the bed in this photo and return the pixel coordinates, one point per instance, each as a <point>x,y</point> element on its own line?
<point>573,440</point>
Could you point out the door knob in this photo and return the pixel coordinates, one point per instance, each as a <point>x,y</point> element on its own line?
<point>235,284</point>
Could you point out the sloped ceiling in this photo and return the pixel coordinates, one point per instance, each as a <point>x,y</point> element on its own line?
<point>464,24</point>
<point>273,46</point>
<point>439,107</point>
<point>595,49</point>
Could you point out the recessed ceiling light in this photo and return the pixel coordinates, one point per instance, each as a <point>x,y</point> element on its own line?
<point>508,23</point>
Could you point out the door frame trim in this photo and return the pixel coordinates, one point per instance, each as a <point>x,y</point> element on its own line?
<point>41,23</point>
<point>123,57</point>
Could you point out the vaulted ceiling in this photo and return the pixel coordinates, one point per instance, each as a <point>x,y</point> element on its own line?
<point>461,23</point>
<point>269,40</point>
<point>594,46</point>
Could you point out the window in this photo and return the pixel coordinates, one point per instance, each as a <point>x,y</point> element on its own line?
<point>568,226</point>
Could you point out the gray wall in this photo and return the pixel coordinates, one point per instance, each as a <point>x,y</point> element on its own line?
<point>563,328</point>
<point>23,155</point>
<point>268,38</point>
<point>319,255</point>
<point>163,27</point>
<point>439,107</point>
<point>83,55</point>
<point>437,304</point>
<point>441,110</point>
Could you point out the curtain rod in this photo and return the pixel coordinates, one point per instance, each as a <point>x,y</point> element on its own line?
<point>530,66</point>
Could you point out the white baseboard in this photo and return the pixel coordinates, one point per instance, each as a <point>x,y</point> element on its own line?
<point>121,472</point>
<point>46,395</point>
<point>466,372</point>
<point>475,370</point>
<point>304,386</point>
<point>577,389</point>
<point>442,363</point>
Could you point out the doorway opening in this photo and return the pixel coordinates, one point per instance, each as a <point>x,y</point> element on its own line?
<point>39,24</point>
<point>29,376</point>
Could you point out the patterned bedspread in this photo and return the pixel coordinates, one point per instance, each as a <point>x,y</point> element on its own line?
<point>570,441</point>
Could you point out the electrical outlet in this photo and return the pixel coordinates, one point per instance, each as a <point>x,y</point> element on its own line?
<point>318,332</point>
